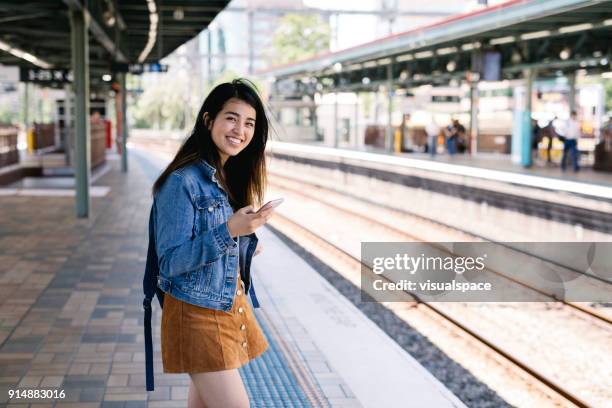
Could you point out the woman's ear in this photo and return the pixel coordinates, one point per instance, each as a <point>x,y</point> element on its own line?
<point>207,121</point>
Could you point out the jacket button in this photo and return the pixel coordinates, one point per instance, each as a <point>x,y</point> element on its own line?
<point>240,309</point>
<point>239,292</point>
<point>244,344</point>
<point>242,327</point>
<point>210,209</point>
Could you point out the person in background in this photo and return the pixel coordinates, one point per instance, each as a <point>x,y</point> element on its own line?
<point>551,133</point>
<point>536,136</point>
<point>461,142</point>
<point>570,144</point>
<point>433,130</point>
<point>451,138</point>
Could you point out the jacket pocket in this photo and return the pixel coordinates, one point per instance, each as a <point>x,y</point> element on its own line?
<point>210,212</point>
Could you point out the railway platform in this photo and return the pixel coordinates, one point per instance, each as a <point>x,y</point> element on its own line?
<point>72,319</point>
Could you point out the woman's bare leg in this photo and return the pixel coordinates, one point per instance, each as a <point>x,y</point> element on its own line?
<point>194,400</point>
<point>221,389</point>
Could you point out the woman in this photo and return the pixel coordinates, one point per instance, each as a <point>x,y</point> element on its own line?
<point>204,222</point>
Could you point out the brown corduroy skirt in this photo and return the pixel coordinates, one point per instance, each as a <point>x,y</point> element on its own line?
<point>196,339</point>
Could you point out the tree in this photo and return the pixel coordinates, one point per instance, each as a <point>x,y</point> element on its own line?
<point>299,37</point>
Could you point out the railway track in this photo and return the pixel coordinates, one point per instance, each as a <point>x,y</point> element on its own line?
<point>303,190</point>
<point>326,249</point>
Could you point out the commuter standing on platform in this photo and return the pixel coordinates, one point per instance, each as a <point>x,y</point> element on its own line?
<point>433,131</point>
<point>536,136</point>
<point>551,134</point>
<point>201,238</point>
<point>570,144</point>
<point>451,138</point>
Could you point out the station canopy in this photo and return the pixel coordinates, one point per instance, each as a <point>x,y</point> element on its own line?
<point>119,31</point>
<point>551,37</point>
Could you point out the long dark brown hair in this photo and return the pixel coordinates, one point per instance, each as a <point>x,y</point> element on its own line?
<point>244,175</point>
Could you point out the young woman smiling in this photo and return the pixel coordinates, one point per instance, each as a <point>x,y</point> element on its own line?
<point>202,233</point>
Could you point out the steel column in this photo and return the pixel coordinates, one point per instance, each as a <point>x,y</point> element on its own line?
<point>390,141</point>
<point>571,79</point>
<point>336,133</point>
<point>124,130</point>
<point>80,67</point>
<point>474,101</point>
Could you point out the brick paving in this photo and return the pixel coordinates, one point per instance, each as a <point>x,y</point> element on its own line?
<point>71,313</point>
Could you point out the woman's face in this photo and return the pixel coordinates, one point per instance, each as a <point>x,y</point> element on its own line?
<point>233,127</point>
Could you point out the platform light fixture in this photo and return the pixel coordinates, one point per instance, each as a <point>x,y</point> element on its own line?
<point>365,80</point>
<point>403,75</point>
<point>604,61</point>
<point>565,53</point>
<point>574,28</point>
<point>535,34</point>
<point>24,55</point>
<point>451,66</point>
<point>338,67</point>
<point>503,40</point>
<point>106,77</point>
<point>471,46</point>
<point>446,51</point>
<point>404,58</point>
<point>153,20</point>
<point>178,13</point>
<point>423,54</point>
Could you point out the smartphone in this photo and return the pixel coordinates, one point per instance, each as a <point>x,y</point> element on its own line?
<point>272,204</point>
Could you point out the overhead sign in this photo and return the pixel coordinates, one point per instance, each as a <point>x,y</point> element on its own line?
<point>45,76</point>
<point>140,68</point>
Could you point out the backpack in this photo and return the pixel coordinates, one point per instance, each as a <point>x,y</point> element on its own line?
<point>150,289</point>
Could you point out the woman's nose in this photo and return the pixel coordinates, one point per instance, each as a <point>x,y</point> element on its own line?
<point>239,128</point>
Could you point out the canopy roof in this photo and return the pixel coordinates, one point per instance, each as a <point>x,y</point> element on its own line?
<point>118,30</point>
<point>552,36</point>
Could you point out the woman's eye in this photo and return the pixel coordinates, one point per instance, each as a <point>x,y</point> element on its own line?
<point>231,118</point>
<point>250,124</point>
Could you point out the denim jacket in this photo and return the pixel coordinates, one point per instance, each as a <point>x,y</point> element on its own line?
<point>191,254</point>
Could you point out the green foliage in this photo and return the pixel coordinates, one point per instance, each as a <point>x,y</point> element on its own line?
<point>299,37</point>
<point>165,104</point>
<point>608,95</point>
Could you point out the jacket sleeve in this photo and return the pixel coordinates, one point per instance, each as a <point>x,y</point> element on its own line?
<point>178,248</point>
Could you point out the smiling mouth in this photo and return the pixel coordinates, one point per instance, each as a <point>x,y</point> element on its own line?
<point>234,140</point>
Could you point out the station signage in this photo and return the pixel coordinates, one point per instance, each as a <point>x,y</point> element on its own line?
<point>138,69</point>
<point>45,76</point>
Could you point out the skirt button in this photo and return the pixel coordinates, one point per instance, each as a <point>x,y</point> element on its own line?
<point>242,327</point>
<point>240,309</point>
<point>244,344</point>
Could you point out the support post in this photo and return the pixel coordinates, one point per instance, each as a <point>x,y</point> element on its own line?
<point>68,131</point>
<point>521,129</point>
<point>124,130</point>
<point>356,143</point>
<point>336,133</point>
<point>26,106</point>
<point>571,79</point>
<point>474,108</point>
<point>389,138</point>
<point>80,67</point>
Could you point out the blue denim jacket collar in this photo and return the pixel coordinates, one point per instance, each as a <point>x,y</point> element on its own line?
<point>209,171</point>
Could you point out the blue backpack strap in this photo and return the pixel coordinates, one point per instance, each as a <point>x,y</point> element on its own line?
<point>254,300</point>
<point>150,289</point>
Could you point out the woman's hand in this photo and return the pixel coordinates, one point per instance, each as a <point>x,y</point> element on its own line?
<point>245,221</point>
<point>258,249</point>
